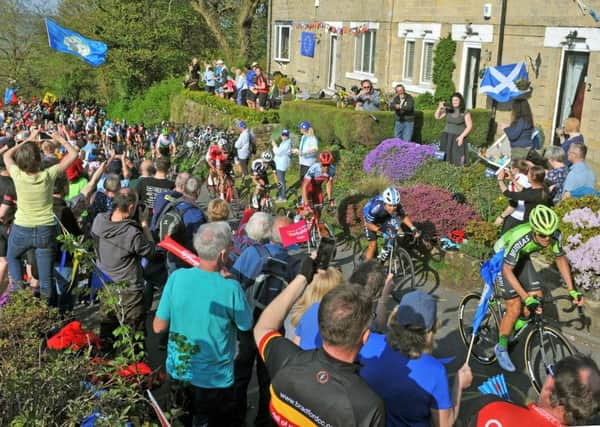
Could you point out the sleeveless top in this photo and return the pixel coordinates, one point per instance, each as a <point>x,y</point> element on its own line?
<point>455,123</point>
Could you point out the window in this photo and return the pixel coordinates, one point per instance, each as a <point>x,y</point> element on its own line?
<point>427,63</point>
<point>409,59</point>
<point>282,42</point>
<point>364,52</point>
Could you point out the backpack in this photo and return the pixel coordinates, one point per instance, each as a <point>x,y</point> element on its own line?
<point>252,139</point>
<point>272,279</point>
<point>170,221</point>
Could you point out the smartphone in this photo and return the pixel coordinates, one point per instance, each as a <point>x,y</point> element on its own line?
<point>325,252</point>
<point>44,135</point>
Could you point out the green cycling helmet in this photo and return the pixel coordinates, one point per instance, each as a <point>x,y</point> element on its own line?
<point>543,220</point>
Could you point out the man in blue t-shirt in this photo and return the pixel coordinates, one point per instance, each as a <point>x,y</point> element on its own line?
<point>203,311</point>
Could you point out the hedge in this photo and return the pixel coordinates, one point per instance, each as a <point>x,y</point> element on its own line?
<point>348,127</point>
<point>207,108</point>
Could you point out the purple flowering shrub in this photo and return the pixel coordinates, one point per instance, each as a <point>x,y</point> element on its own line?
<point>582,246</point>
<point>396,159</point>
<point>428,203</point>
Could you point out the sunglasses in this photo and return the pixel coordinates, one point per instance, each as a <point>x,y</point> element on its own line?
<point>543,236</point>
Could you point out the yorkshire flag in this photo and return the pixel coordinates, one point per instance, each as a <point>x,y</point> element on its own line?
<point>67,41</point>
<point>499,82</point>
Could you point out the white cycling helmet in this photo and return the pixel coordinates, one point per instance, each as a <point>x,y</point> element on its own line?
<point>391,196</point>
<point>267,156</point>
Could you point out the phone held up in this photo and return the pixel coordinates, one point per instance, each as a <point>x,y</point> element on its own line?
<point>325,252</point>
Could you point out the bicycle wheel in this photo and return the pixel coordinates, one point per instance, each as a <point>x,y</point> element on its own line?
<point>403,270</point>
<point>542,360</point>
<point>487,335</point>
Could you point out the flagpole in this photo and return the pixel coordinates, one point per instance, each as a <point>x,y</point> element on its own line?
<point>48,33</point>
<point>470,350</point>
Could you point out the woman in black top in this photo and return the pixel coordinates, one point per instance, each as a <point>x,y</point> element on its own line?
<point>537,194</point>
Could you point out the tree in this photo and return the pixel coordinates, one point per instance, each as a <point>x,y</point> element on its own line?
<point>230,22</point>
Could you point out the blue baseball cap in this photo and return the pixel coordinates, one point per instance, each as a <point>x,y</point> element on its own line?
<point>242,124</point>
<point>417,309</point>
<point>304,125</point>
<point>285,132</point>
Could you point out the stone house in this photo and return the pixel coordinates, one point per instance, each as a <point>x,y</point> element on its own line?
<point>392,41</point>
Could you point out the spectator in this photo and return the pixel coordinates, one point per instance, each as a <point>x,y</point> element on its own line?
<point>218,210</point>
<point>569,397</point>
<point>282,152</point>
<point>49,156</point>
<point>453,140</point>
<point>399,364</point>
<point>520,130</point>
<point>555,177</point>
<point>210,80</point>
<point>193,218</point>
<point>367,99</point>
<point>120,245</point>
<point>221,72</point>
<point>206,380</point>
<point>304,314</point>
<point>102,200</point>
<point>146,171</point>
<point>161,198</point>
<point>581,179</point>
<point>403,105</point>
<point>301,379</point>
<point>77,179</point>
<point>8,207</point>
<point>149,188</point>
<point>34,226</point>
<point>242,145</point>
<point>251,80</point>
<point>570,134</point>
<point>526,199</point>
<point>228,88</point>
<point>265,230</point>
<point>308,149</point>
<point>241,84</point>
<point>262,89</point>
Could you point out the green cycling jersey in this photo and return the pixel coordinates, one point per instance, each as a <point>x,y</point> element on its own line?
<point>519,241</point>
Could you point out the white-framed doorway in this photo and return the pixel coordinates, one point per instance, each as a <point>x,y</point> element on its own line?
<point>469,76</point>
<point>333,51</point>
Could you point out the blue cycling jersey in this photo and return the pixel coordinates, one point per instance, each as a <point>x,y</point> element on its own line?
<point>375,213</point>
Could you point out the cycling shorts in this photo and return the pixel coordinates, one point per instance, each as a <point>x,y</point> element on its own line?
<point>528,277</point>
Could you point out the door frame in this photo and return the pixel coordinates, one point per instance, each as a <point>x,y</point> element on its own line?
<point>466,66</point>
<point>561,72</point>
<point>332,63</point>
<point>473,44</point>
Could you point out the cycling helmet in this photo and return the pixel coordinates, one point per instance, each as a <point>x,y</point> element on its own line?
<point>165,131</point>
<point>222,142</point>
<point>391,196</point>
<point>326,158</point>
<point>543,220</point>
<point>267,156</point>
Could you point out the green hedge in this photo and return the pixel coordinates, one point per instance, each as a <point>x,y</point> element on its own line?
<point>212,109</point>
<point>150,107</point>
<point>348,127</point>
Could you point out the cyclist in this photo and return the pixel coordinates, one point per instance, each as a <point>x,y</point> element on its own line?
<point>519,282</point>
<point>317,174</point>
<point>378,212</point>
<point>165,144</point>
<point>260,177</point>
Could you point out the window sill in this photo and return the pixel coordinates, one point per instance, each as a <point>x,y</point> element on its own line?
<point>421,88</point>
<point>357,75</point>
<point>281,60</point>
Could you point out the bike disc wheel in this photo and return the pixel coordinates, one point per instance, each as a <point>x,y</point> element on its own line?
<point>404,272</point>
<point>540,360</point>
<point>487,335</point>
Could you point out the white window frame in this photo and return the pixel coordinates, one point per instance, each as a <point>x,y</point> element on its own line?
<point>277,44</point>
<point>404,67</point>
<point>422,77</point>
<point>360,38</point>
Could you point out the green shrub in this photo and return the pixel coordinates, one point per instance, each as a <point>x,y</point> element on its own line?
<point>425,101</point>
<point>350,128</point>
<point>443,67</point>
<point>212,109</point>
<point>150,107</point>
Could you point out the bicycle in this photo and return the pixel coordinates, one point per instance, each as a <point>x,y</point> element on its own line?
<point>399,262</point>
<point>544,345</point>
<point>317,228</point>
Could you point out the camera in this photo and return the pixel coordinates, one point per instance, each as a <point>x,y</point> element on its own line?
<point>448,107</point>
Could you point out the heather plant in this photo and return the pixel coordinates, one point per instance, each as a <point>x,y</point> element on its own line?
<point>581,239</point>
<point>396,159</point>
<point>433,204</point>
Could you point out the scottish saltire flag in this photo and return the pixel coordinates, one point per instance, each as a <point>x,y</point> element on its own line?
<point>67,41</point>
<point>489,270</point>
<point>499,82</point>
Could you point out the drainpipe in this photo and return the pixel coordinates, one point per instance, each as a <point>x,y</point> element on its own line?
<point>269,35</point>
<point>491,129</point>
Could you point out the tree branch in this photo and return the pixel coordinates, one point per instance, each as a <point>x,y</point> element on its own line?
<point>212,21</point>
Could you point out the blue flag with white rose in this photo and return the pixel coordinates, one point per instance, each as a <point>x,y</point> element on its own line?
<point>64,40</point>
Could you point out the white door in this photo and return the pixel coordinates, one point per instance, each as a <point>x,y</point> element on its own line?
<point>333,42</point>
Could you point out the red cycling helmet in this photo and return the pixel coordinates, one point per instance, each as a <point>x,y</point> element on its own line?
<point>326,158</point>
